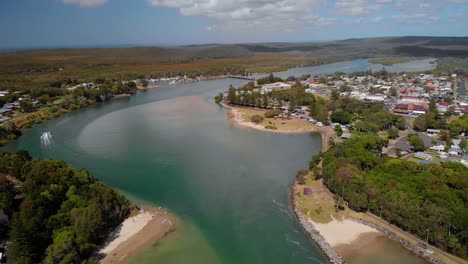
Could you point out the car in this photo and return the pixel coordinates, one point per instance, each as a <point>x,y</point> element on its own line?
<point>423,245</point>
<point>430,251</point>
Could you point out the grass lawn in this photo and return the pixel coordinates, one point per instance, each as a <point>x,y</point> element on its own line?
<point>58,101</point>
<point>320,206</point>
<point>293,124</point>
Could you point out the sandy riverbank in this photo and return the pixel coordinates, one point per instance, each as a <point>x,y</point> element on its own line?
<point>238,116</point>
<point>342,232</point>
<point>366,243</point>
<point>149,87</point>
<point>136,234</point>
<point>121,95</point>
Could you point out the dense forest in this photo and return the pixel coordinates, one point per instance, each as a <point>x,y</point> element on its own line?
<point>422,199</point>
<point>54,213</point>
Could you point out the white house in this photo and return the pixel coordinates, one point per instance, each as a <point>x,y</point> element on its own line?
<point>438,148</point>
<point>375,97</point>
<point>275,87</point>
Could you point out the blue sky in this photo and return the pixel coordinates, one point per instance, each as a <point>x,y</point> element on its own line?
<point>74,23</point>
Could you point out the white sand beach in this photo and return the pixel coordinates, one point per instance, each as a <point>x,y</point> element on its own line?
<point>136,234</point>
<point>342,232</point>
<point>128,228</point>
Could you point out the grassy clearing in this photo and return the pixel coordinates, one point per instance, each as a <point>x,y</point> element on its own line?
<point>320,206</point>
<point>289,125</point>
<point>36,117</point>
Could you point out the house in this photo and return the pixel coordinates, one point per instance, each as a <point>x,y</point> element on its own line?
<point>430,131</point>
<point>275,87</point>
<point>438,148</point>
<point>425,162</point>
<point>422,156</point>
<point>3,93</point>
<point>346,135</point>
<point>5,111</point>
<point>401,109</point>
<point>442,107</point>
<point>429,141</point>
<point>375,97</point>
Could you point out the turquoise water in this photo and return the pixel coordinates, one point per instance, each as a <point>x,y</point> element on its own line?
<point>173,147</point>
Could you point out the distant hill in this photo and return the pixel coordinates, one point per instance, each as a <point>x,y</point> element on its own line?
<point>370,47</point>
<point>43,67</point>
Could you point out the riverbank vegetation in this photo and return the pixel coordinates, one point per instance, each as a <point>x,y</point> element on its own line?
<point>450,65</point>
<point>53,104</point>
<point>393,60</point>
<point>54,213</point>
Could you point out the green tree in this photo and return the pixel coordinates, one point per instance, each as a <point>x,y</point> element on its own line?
<point>335,95</point>
<point>416,142</point>
<point>339,131</point>
<point>392,133</point>
<point>26,106</point>
<point>257,119</point>
<point>231,97</point>
<point>272,113</point>
<point>341,117</point>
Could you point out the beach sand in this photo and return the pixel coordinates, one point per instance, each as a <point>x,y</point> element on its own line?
<point>342,232</point>
<point>148,87</point>
<point>366,243</point>
<point>136,234</point>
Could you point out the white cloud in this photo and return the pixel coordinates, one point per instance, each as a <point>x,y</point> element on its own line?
<point>359,7</point>
<point>422,11</point>
<point>356,8</point>
<point>86,3</point>
<point>377,19</point>
<point>251,15</point>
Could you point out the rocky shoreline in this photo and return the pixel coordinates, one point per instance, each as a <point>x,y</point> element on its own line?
<point>327,249</point>
<point>415,249</point>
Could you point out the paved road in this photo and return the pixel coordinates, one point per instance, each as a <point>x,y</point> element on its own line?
<point>461,91</point>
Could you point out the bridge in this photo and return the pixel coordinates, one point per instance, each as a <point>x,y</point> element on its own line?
<point>241,77</point>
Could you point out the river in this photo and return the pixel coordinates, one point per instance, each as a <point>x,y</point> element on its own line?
<point>173,147</point>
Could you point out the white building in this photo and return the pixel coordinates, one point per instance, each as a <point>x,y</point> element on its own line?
<point>375,97</point>
<point>275,87</point>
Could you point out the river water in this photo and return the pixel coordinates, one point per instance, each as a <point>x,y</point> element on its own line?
<point>173,147</point>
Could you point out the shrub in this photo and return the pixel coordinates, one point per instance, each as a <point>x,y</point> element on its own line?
<point>272,113</point>
<point>257,119</point>
<point>301,176</point>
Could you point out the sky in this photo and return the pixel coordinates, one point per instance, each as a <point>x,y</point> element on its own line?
<point>97,23</point>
